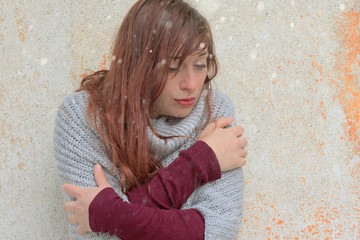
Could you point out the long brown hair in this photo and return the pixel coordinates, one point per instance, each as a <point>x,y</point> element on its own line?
<point>152,34</point>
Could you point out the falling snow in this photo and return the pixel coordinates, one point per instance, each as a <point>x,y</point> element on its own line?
<point>44,61</point>
<point>168,24</point>
<point>260,6</point>
<point>161,63</point>
<point>253,54</point>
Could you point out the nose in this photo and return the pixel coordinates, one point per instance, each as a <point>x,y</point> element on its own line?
<point>188,80</point>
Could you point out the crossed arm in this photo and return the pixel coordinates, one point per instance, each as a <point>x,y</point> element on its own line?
<point>152,214</point>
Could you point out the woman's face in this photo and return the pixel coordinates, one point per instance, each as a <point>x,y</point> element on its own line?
<point>182,91</point>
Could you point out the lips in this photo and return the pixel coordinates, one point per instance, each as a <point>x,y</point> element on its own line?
<point>185,101</point>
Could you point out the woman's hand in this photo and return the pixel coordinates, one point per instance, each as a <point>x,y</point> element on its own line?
<point>84,196</point>
<point>227,143</point>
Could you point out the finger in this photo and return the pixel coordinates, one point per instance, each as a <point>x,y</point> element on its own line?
<point>72,219</point>
<point>100,176</point>
<point>237,130</point>
<point>242,162</point>
<point>243,142</point>
<point>245,153</point>
<point>72,190</point>
<point>80,230</point>
<point>70,206</point>
<point>223,122</point>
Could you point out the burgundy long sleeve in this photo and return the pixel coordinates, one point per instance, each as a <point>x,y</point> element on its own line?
<point>154,214</point>
<point>172,186</point>
<point>108,213</point>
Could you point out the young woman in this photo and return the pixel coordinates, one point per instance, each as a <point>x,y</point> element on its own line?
<point>158,130</point>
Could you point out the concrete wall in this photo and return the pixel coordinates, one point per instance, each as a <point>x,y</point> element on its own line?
<point>291,67</point>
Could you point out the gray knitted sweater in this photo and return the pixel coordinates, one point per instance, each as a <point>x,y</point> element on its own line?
<point>78,147</point>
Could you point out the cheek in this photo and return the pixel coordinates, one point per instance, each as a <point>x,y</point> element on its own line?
<point>169,89</point>
<point>164,99</point>
<point>202,78</point>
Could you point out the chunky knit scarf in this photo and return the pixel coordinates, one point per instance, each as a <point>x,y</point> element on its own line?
<point>169,126</point>
<point>77,148</point>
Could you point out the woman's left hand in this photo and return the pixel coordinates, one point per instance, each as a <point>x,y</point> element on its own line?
<point>84,196</point>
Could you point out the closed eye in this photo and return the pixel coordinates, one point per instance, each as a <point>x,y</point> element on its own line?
<point>173,69</point>
<point>200,66</point>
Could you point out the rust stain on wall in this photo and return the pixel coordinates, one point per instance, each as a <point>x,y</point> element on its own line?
<point>21,25</point>
<point>20,165</point>
<point>347,67</point>
<point>103,65</point>
<point>347,60</point>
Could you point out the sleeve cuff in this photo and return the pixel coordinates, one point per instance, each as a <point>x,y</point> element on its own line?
<point>97,211</point>
<point>206,160</point>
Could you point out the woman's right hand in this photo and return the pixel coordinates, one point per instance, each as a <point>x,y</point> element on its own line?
<point>227,143</point>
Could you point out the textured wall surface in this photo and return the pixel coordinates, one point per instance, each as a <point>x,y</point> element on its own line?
<point>291,67</point>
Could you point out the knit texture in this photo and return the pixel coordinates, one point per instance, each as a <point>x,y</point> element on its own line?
<point>78,147</point>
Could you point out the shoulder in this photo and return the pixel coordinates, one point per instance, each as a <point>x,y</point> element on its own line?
<point>75,101</point>
<point>221,105</point>
<point>73,106</point>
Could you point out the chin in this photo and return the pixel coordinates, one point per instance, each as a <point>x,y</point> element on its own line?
<point>182,114</point>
